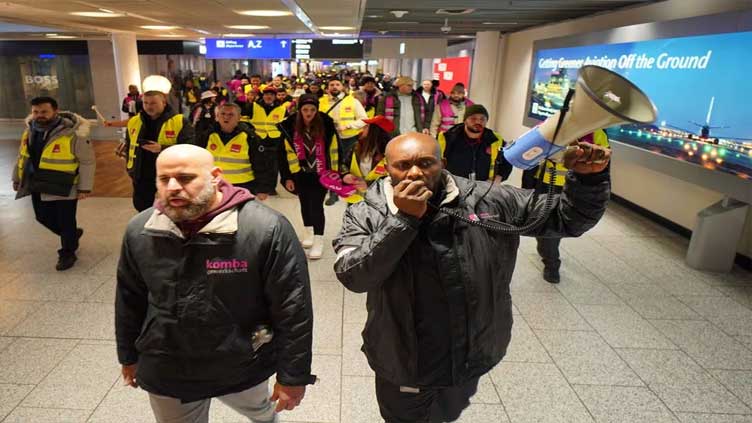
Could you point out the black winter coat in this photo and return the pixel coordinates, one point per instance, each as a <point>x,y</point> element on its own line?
<point>185,309</point>
<point>377,246</point>
<point>287,127</point>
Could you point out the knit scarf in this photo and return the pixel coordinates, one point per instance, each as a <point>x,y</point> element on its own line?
<point>318,150</point>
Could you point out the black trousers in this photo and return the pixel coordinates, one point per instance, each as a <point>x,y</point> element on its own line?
<point>548,249</point>
<point>60,218</point>
<point>143,194</point>
<point>311,195</point>
<point>268,150</point>
<point>427,406</point>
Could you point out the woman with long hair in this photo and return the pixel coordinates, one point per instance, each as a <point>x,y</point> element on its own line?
<point>310,153</point>
<point>367,163</point>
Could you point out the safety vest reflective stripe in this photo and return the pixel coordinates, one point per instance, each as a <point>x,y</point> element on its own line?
<point>229,160</point>
<point>266,125</point>
<point>58,161</point>
<point>599,138</point>
<point>57,155</point>
<point>168,134</point>
<point>232,157</point>
<point>292,158</point>
<point>241,171</point>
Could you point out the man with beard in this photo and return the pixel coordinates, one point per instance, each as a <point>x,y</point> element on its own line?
<point>264,115</point>
<point>56,167</point>
<point>470,149</point>
<point>235,148</point>
<point>439,307</point>
<point>449,112</point>
<point>212,298</point>
<point>157,127</point>
<point>368,86</point>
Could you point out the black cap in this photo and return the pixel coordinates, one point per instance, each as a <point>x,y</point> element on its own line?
<point>308,99</point>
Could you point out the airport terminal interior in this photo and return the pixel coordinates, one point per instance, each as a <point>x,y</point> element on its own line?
<point>646,318</point>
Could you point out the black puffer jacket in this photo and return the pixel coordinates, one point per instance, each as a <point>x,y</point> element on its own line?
<point>377,246</point>
<point>186,309</point>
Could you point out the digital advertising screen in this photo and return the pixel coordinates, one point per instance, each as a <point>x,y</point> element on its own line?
<point>698,83</point>
<point>327,49</point>
<point>247,48</point>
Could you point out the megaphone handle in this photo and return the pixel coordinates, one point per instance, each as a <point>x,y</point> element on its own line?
<point>562,112</point>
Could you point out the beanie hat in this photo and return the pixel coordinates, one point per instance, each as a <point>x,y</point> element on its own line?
<point>308,99</point>
<point>459,88</point>
<point>474,110</point>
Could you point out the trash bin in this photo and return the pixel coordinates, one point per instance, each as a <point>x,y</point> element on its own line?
<point>716,235</point>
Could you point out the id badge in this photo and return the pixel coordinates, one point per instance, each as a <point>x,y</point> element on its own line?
<point>471,176</point>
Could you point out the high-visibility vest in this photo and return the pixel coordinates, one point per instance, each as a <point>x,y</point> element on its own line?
<point>378,171</point>
<point>495,146</point>
<point>232,157</point>
<point>292,157</point>
<point>347,116</point>
<point>599,138</point>
<point>371,112</point>
<point>57,156</point>
<point>448,118</point>
<point>168,134</point>
<point>266,125</point>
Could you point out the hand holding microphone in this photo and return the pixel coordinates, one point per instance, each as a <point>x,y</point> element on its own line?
<point>411,197</point>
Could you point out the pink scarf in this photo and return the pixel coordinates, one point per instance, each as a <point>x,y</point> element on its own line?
<point>329,179</point>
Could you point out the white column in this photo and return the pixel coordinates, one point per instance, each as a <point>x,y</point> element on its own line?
<point>127,71</point>
<point>485,77</point>
<point>104,85</point>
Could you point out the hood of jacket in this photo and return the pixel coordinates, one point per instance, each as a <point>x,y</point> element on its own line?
<point>70,122</point>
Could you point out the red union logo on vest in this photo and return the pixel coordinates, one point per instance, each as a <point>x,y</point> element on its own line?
<point>348,109</point>
<point>213,147</point>
<point>275,117</point>
<point>235,148</point>
<point>379,170</point>
<point>56,148</point>
<point>226,266</point>
<point>169,134</point>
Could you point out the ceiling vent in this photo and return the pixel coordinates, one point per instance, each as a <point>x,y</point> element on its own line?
<point>454,12</point>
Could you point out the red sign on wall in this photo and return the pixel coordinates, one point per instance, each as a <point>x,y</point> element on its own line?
<point>450,71</point>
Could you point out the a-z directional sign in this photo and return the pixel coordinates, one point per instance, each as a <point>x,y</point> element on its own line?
<point>247,48</point>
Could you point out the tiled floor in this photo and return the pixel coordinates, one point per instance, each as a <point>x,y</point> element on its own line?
<point>630,335</point>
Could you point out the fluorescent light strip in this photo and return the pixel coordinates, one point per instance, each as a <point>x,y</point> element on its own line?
<point>301,15</point>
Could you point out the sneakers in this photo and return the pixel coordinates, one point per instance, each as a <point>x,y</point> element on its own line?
<point>551,274</point>
<point>307,240</point>
<point>317,250</point>
<point>65,262</point>
<point>332,200</point>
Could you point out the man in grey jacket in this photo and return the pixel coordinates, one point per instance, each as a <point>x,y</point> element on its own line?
<point>212,298</point>
<point>439,307</point>
<point>56,167</point>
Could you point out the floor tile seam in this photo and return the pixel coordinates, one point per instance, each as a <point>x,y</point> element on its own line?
<point>716,327</point>
<point>561,372</point>
<point>717,379</point>
<point>40,304</point>
<point>91,414</point>
<point>647,385</point>
<point>36,385</point>
<point>712,322</point>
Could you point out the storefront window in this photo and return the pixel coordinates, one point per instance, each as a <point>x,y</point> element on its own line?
<point>67,78</point>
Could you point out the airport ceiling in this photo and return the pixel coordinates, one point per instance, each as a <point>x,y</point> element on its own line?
<point>194,19</point>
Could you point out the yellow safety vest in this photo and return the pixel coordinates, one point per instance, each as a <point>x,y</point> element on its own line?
<point>168,134</point>
<point>57,156</point>
<point>495,146</point>
<point>378,171</point>
<point>346,113</point>
<point>371,113</point>
<point>232,157</point>
<point>266,125</point>
<point>599,138</point>
<point>292,157</point>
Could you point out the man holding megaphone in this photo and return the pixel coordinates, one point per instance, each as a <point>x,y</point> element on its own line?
<point>436,252</point>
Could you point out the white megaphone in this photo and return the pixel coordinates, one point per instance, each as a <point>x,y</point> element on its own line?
<point>602,98</point>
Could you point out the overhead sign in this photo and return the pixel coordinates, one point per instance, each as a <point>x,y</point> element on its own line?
<point>247,48</point>
<point>328,49</point>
